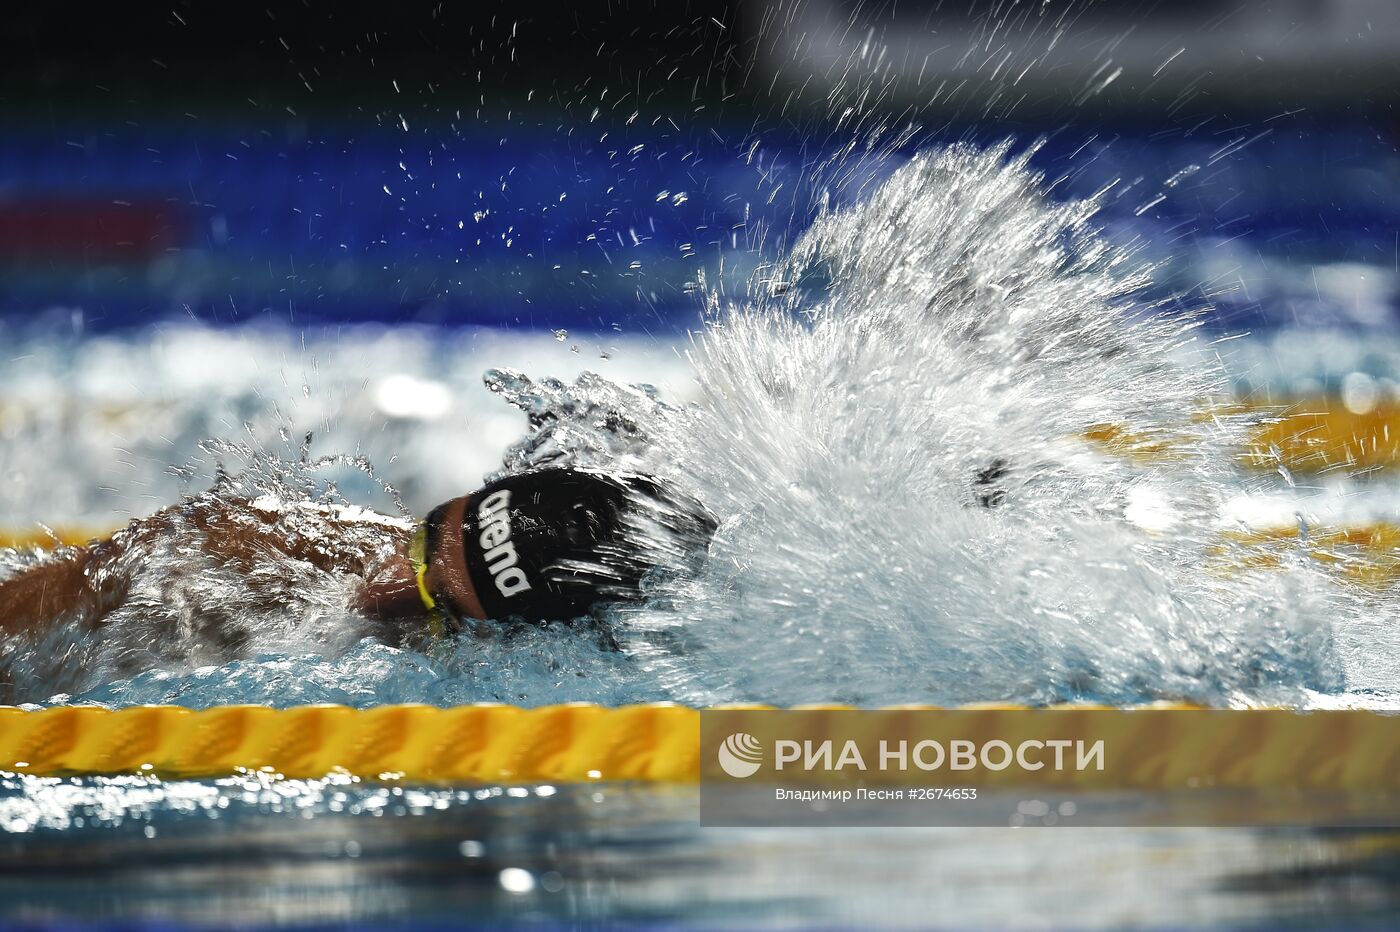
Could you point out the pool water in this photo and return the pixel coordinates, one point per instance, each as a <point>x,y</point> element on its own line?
<point>252,852</point>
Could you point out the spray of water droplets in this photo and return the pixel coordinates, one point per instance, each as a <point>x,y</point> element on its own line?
<point>894,427</point>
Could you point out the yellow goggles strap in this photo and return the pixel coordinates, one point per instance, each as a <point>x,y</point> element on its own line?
<point>418,554</point>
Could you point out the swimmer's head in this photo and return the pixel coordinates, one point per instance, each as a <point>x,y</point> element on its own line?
<point>551,544</point>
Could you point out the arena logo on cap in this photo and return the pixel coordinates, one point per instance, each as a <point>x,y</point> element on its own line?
<point>740,755</point>
<point>498,551</point>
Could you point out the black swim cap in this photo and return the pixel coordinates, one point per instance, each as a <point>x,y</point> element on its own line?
<point>549,545</point>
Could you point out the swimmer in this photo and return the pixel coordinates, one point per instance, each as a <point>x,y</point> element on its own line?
<point>554,544</point>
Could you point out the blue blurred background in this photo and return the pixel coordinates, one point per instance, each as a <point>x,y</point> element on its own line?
<point>573,166</point>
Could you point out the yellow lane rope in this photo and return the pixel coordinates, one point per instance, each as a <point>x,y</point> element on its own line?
<point>1305,436</point>
<point>657,743</point>
<point>47,539</point>
<point>1367,556</point>
<point>1320,435</point>
<point>466,744</point>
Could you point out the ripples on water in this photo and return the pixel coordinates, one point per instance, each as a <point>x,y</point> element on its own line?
<point>252,850</point>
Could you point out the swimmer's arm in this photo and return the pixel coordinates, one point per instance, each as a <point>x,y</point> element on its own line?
<point>389,588</point>
<point>58,588</point>
<point>85,584</point>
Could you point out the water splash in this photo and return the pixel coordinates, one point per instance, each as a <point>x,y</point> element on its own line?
<point>944,346</point>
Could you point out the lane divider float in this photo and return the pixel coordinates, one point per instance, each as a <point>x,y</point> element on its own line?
<point>653,743</point>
